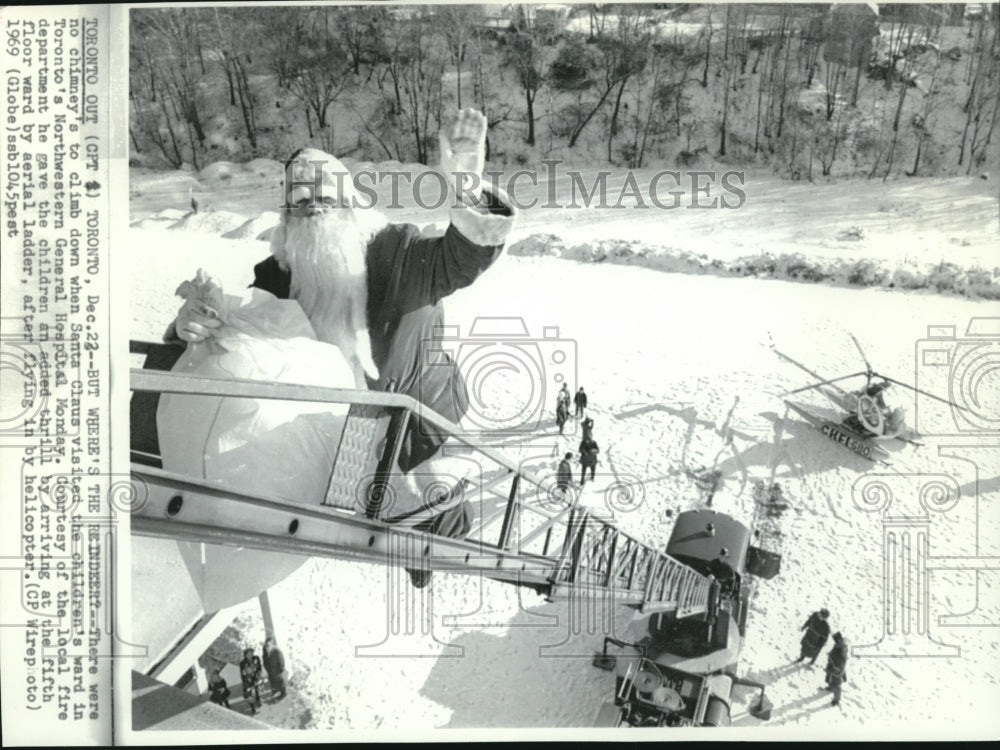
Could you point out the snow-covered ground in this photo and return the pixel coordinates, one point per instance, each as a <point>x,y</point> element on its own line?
<point>665,357</point>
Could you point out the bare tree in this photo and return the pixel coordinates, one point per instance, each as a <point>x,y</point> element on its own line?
<point>660,102</point>
<point>232,31</point>
<point>320,71</point>
<point>528,57</point>
<point>921,123</point>
<point>284,32</point>
<point>735,30</point>
<point>631,57</point>
<point>412,65</point>
<point>981,104</point>
<point>172,43</point>
<point>910,64</point>
<point>606,67</point>
<point>357,29</point>
<point>457,25</point>
<point>848,45</point>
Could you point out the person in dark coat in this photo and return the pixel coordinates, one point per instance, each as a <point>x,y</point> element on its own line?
<point>588,427</point>
<point>564,474</point>
<point>274,665</point>
<point>580,401</point>
<point>250,669</point>
<point>562,414</point>
<point>836,667</point>
<point>588,458</point>
<point>218,690</point>
<point>817,631</point>
<point>378,295</point>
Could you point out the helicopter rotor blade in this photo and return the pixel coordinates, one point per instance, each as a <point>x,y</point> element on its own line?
<point>824,382</point>
<point>861,351</point>
<point>821,380</point>
<point>790,360</point>
<point>924,393</point>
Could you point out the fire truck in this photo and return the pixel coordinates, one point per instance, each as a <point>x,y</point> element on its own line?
<point>678,668</point>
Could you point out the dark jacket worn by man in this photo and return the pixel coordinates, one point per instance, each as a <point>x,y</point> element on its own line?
<point>274,665</point>
<point>588,451</point>
<point>564,474</point>
<point>836,667</point>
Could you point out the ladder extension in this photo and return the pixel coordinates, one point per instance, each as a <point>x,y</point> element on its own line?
<point>523,533</point>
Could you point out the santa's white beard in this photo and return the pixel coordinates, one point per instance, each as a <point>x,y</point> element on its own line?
<point>325,253</point>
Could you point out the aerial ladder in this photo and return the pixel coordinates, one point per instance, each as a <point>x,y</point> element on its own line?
<point>523,533</point>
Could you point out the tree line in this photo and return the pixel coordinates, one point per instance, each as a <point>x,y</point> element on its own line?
<point>807,89</point>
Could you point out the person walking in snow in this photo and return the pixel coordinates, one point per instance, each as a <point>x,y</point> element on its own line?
<point>580,401</point>
<point>588,427</point>
<point>564,397</point>
<point>250,669</point>
<point>562,414</point>
<point>564,474</point>
<point>836,667</point>
<point>274,665</point>
<point>817,631</point>
<point>588,458</point>
<point>218,690</point>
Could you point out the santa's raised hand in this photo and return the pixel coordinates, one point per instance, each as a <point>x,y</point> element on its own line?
<point>463,151</point>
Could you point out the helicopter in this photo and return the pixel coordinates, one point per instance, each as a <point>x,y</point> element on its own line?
<point>866,423</point>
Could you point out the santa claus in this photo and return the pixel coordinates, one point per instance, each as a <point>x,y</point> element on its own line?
<point>376,290</point>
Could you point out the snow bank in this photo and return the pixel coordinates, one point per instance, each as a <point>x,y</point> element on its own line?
<point>265,168</point>
<point>164,219</point>
<point>146,181</point>
<point>972,281</point>
<point>219,171</point>
<point>258,228</point>
<point>893,272</point>
<point>210,222</point>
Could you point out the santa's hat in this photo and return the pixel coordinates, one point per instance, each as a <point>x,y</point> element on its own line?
<point>319,176</point>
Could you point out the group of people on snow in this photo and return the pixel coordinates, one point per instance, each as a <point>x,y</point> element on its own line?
<point>252,668</point>
<point>588,448</point>
<point>817,631</point>
<point>579,402</point>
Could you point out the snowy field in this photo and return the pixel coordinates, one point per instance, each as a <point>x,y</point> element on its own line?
<point>664,358</point>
